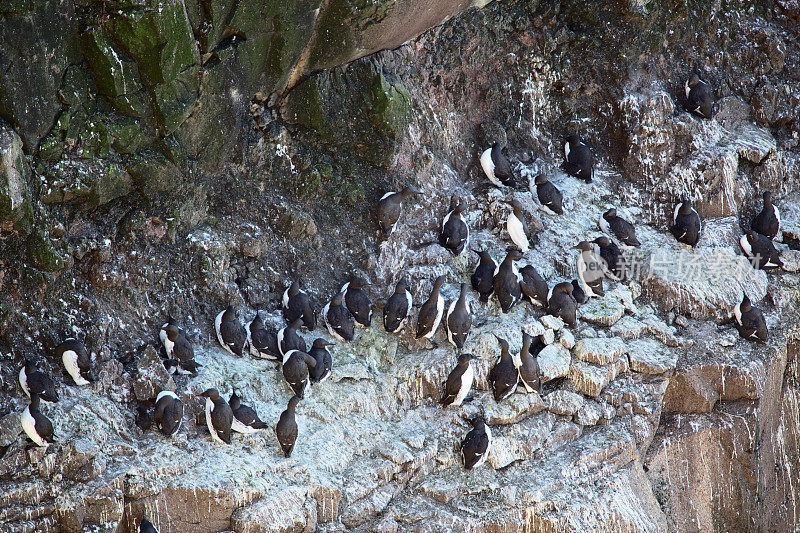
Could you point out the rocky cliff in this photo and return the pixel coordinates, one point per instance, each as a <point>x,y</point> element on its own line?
<point>173,156</point>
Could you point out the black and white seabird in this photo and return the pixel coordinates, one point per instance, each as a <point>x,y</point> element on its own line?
<point>760,250</point>
<point>618,228</point>
<point>686,224</point>
<point>33,380</point>
<point>578,158</point>
<point>398,307</point>
<point>459,319</point>
<point>144,419</point>
<point>178,347</point>
<point>768,221</point>
<point>319,351</point>
<point>562,304</point>
<point>590,269</point>
<point>431,312</point>
<point>483,278</point>
<point>357,301</point>
<point>476,445</point>
<point>549,196</point>
<point>496,166</point>
<point>517,227</point>
<point>76,360</point>
<point>455,231</point>
<point>230,333</point>
<point>750,321</point>
<point>146,527</point>
<point>533,287</point>
<point>506,281</point>
<point>390,207</point>
<point>459,381</point>
<point>296,367</point>
<point>168,413</point>
<point>577,292</point>
<point>527,365</point>
<point>296,304</point>
<point>338,320</point>
<point>286,428</point>
<point>610,254</point>
<point>37,426</point>
<point>245,419</point>
<point>219,416</point>
<point>263,343</point>
<point>699,97</point>
<point>504,376</point>
<point>289,339</point>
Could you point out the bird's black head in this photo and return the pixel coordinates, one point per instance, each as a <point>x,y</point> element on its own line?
<point>514,255</point>
<point>767,196</point>
<point>746,305</point>
<point>478,422</point>
<point>610,214</point>
<point>358,282</point>
<point>321,343</point>
<point>602,241</point>
<point>541,179</point>
<point>408,191</point>
<point>564,286</point>
<point>212,394</point>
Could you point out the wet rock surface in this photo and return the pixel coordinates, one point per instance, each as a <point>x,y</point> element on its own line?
<point>173,157</point>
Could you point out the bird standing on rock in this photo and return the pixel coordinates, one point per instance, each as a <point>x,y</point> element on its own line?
<point>390,207</point>
<point>504,376</point>
<point>562,304</point>
<point>699,97</point>
<point>245,419</point>
<point>289,339</point>
<point>219,416</point>
<point>76,360</point>
<point>146,527</point>
<point>527,365</point>
<point>476,445</point>
<point>768,221</point>
<point>549,196</point>
<point>296,304</point>
<point>168,413</point>
<point>338,320</point>
<point>34,381</point>
<point>459,381</point>
<point>750,321</point>
<point>496,166</point>
<point>357,301</point>
<point>760,251</point>
<point>517,227</point>
<point>610,255</point>
<point>578,159</point>
<point>459,320</point>
<point>590,269</point>
<point>322,369</point>
<point>263,343</point>
<point>686,224</point>
<point>577,292</point>
<point>618,228</point>
<point>37,426</point>
<point>430,314</point>
<point>455,231</point>
<point>286,428</point>
<point>398,307</point>
<point>296,366</point>
<point>533,287</point>
<point>483,278</point>
<point>230,333</point>
<point>506,281</point>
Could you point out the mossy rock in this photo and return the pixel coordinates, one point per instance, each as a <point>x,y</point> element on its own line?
<point>42,255</point>
<point>153,175</point>
<point>16,210</point>
<point>89,183</point>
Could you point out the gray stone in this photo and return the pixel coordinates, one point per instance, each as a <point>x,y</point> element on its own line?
<point>591,379</point>
<point>650,357</point>
<point>513,409</point>
<point>554,361</point>
<point>601,351</point>
<point>151,376</point>
<point>564,402</point>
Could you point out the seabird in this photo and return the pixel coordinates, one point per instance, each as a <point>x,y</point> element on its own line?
<point>577,292</point>
<point>296,366</point>
<point>338,320</point>
<point>33,380</point>
<point>296,304</point>
<point>219,416</point>
<point>357,301</point>
<point>527,365</point>
<point>455,231</point>
<point>76,360</point>
<point>459,319</point>
<point>496,166</point>
<point>610,255</point>
<point>686,224</point>
<point>475,447</point>
<point>390,207</point>
<point>320,371</point>
<point>288,338</point>
<point>760,250</point>
<point>578,158</point>
<point>459,381</point>
<point>517,227</point>
<point>143,420</point>
<point>504,376</point>
<point>168,413</point>
<point>37,426</point>
<point>146,527</point>
<point>533,287</point>
<point>483,278</point>
<point>245,419</point>
<point>398,307</point>
<point>590,269</point>
<point>506,281</point>
<point>230,333</point>
<point>263,343</point>
<point>699,97</point>
<point>750,321</point>
<point>562,304</point>
<point>430,314</point>
<point>286,428</point>
<point>619,228</point>
<point>549,196</point>
<point>768,221</point>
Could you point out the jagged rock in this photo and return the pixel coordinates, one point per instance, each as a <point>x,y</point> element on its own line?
<point>15,202</point>
<point>552,322</point>
<point>602,311</point>
<point>601,351</point>
<point>791,260</point>
<point>554,361</point>
<point>567,339</point>
<point>286,510</point>
<point>588,414</point>
<point>151,376</point>
<point>10,428</point>
<point>650,357</point>
<point>591,379</point>
<point>563,402</point>
<point>514,409</point>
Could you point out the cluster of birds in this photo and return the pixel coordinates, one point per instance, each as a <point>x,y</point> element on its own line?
<point>351,308</point>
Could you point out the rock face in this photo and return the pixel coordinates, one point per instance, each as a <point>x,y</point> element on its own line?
<point>175,156</point>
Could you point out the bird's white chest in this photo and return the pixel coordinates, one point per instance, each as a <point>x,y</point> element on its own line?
<point>70,360</point>
<point>566,150</point>
<point>517,232</point>
<point>605,227</point>
<point>466,384</point>
<point>23,382</point>
<point>286,299</point>
<point>29,426</point>
<point>488,166</point>
<point>737,313</point>
<point>438,319</point>
<point>217,324</point>
<point>746,245</point>
<point>210,423</point>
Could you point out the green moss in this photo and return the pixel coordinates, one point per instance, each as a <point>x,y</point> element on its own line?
<point>41,253</point>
